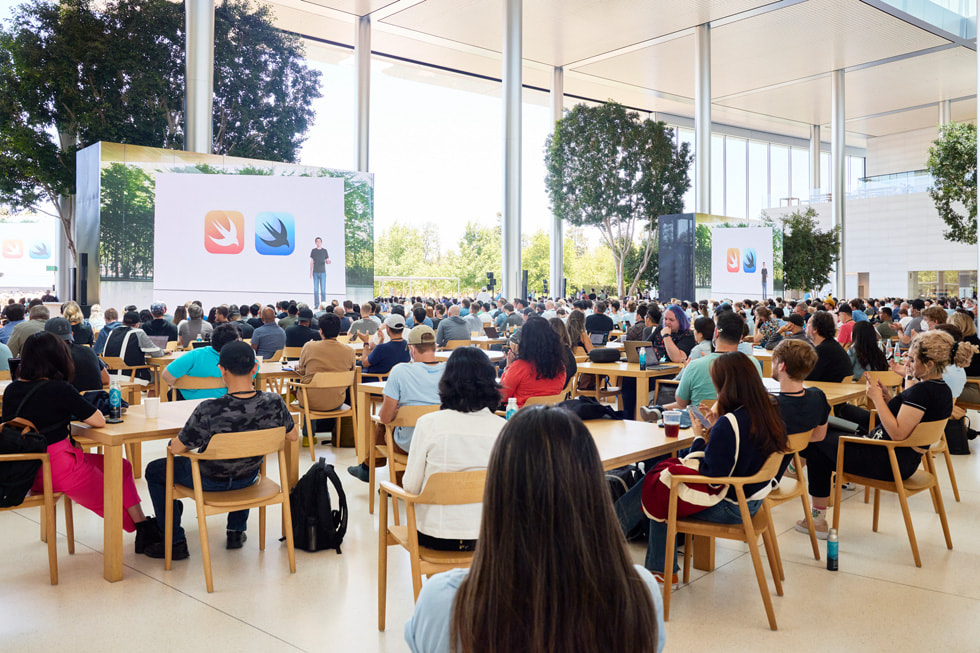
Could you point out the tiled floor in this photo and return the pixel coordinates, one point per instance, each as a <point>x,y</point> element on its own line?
<point>877,601</point>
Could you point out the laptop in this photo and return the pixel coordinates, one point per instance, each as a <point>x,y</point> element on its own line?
<point>633,351</point>
<point>159,341</point>
<point>599,339</point>
<point>491,331</point>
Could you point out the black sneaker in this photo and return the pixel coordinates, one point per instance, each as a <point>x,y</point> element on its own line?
<point>360,472</point>
<point>147,532</point>
<point>156,550</point>
<point>235,539</point>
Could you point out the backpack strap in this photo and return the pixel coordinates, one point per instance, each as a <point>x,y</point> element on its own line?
<point>341,496</point>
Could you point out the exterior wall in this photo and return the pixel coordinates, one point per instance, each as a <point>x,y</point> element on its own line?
<point>899,152</point>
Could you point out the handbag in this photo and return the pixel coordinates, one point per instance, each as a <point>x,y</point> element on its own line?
<point>17,436</point>
<point>692,498</point>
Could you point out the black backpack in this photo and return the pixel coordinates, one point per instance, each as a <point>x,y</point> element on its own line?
<point>316,526</point>
<point>19,436</point>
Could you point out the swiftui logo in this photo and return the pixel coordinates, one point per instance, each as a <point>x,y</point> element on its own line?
<point>224,232</point>
<point>733,259</point>
<point>39,250</point>
<point>275,233</point>
<point>748,261</point>
<point>13,249</point>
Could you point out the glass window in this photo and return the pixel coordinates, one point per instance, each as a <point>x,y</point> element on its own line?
<point>855,171</point>
<point>718,174</point>
<point>778,173</point>
<point>825,179</point>
<point>758,178</point>
<point>735,177</point>
<point>687,136</point>
<point>801,173</point>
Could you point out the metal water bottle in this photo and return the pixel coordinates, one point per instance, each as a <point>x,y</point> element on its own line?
<point>832,550</point>
<point>511,407</point>
<point>643,358</point>
<point>115,400</point>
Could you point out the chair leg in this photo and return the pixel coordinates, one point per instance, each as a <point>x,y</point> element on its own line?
<point>903,500</point>
<point>778,569</point>
<point>760,576</point>
<point>942,515</point>
<point>867,493</point>
<point>808,515</point>
<point>262,528</point>
<point>877,508</point>
<point>310,435</point>
<point>44,527</point>
<point>202,526</point>
<point>382,560</point>
<point>336,432</point>
<point>949,468</point>
<point>671,549</point>
<point>372,456</point>
<point>688,556</point>
<point>50,518</point>
<point>69,525</point>
<point>775,564</point>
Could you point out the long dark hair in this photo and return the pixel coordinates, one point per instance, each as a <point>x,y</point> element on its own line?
<point>551,571</point>
<point>469,382</point>
<point>45,356</point>
<point>540,346</point>
<point>738,384</point>
<point>864,342</point>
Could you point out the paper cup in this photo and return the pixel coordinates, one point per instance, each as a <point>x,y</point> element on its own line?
<point>152,407</point>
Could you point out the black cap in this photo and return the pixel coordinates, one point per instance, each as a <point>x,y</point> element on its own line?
<point>131,317</point>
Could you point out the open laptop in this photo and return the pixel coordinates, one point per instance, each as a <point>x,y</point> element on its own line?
<point>491,331</point>
<point>599,338</point>
<point>633,351</point>
<point>159,341</point>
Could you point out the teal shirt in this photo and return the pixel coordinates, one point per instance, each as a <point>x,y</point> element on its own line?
<point>202,362</point>
<point>696,385</point>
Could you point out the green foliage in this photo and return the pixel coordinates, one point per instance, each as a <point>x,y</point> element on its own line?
<point>126,238</point>
<point>74,73</point>
<point>650,275</point>
<point>953,165</point>
<point>809,254</point>
<point>702,256</point>
<point>607,168</point>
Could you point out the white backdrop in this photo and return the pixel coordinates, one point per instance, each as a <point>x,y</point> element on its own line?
<point>26,250</point>
<point>244,238</point>
<point>737,257</point>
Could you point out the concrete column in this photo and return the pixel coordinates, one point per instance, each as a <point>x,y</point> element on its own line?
<point>557,233</point>
<point>199,24</point>
<point>702,119</point>
<point>362,63</point>
<point>944,112</point>
<point>838,171</point>
<point>814,159</point>
<point>510,224</point>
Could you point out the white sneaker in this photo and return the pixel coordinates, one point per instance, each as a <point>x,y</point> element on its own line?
<point>820,527</point>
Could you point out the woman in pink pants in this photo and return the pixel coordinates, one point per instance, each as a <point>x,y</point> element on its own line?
<point>43,394</point>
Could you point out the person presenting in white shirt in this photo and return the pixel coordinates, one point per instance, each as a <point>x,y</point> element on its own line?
<point>458,438</point>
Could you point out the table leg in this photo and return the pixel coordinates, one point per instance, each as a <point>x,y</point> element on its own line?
<point>642,394</point>
<point>112,528</point>
<point>704,553</point>
<point>363,425</point>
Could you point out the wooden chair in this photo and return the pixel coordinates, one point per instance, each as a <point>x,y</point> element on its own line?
<point>172,345</point>
<point>406,416</point>
<point>291,353</point>
<point>118,364</point>
<point>276,356</point>
<point>195,383</point>
<point>788,490</point>
<point>456,344</point>
<point>325,380</point>
<point>457,488</point>
<point>605,388</point>
<point>942,447</point>
<point>924,435</point>
<point>660,383</point>
<point>265,492</point>
<point>748,531</point>
<point>4,375</point>
<point>545,400</point>
<point>46,501</point>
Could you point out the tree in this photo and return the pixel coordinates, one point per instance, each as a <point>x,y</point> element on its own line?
<point>609,169</point>
<point>953,165</point>
<point>809,254</point>
<point>649,277</point>
<point>71,75</point>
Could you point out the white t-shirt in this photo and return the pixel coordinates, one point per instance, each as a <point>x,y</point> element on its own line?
<point>450,441</point>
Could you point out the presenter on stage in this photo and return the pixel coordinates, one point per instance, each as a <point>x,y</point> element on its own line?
<point>765,278</point>
<point>319,259</point>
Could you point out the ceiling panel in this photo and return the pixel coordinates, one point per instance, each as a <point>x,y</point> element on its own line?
<point>558,32</point>
<point>964,110</point>
<point>354,7</point>
<point>666,67</point>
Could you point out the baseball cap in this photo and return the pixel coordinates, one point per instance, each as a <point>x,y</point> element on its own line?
<point>157,308</point>
<point>421,335</point>
<point>131,317</point>
<point>60,327</point>
<point>395,321</point>
<point>305,314</point>
<point>796,319</point>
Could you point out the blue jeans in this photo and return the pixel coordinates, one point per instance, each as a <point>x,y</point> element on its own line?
<point>319,288</point>
<point>156,481</point>
<point>629,511</point>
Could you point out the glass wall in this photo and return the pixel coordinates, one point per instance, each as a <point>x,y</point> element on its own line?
<point>736,178</point>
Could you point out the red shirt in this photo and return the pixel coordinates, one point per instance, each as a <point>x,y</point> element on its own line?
<point>844,335</point>
<point>521,380</point>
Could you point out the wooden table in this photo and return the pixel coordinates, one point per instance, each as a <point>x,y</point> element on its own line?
<point>838,393</point>
<point>158,365</point>
<point>484,342</point>
<point>493,355</point>
<point>272,370</point>
<point>136,427</point>
<point>631,370</point>
<point>362,439</point>
<point>622,442</point>
<point>764,356</point>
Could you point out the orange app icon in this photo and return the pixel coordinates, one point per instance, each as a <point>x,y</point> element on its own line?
<point>224,232</point>
<point>13,249</point>
<point>733,259</point>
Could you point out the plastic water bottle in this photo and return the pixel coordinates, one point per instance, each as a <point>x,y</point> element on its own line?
<point>643,358</point>
<point>200,338</point>
<point>115,400</point>
<point>832,550</point>
<point>511,407</point>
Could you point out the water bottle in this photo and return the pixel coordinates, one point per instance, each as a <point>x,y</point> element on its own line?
<point>115,400</point>
<point>643,358</point>
<point>511,407</point>
<point>200,338</point>
<point>832,550</point>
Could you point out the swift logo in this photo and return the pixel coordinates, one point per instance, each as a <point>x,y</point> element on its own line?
<point>40,250</point>
<point>13,249</point>
<point>748,261</point>
<point>275,233</point>
<point>733,259</point>
<point>224,232</point>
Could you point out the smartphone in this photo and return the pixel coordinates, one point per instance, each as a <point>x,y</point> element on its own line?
<point>699,416</point>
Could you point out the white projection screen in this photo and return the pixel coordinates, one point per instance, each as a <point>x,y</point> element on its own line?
<point>244,238</point>
<point>738,256</point>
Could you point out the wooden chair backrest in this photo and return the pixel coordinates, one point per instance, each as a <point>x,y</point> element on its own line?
<point>888,378</point>
<point>455,344</point>
<point>244,444</point>
<point>798,441</point>
<point>545,400</point>
<point>454,488</point>
<point>117,363</point>
<point>409,415</point>
<point>925,434</point>
<point>199,383</point>
<point>5,375</point>
<point>332,379</point>
<point>277,355</point>
<point>172,345</point>
<point>292,352</point>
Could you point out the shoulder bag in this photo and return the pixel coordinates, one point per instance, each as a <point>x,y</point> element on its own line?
<point>19,435</point>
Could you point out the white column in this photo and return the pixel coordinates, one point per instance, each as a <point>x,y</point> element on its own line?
<point>702,119</point>
<point>814,159</point>
<point>510,225</point>
<point>978,153</point>
<point>837,172</point>
<point>362,63</point>
<point>557,255</point>
<point>199,54</point>
<point>944,112</point>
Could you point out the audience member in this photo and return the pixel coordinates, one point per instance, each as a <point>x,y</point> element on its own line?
<point>864,354</point>
<point>537,368</point>
<point>268,338</point>
<point>130,343</point>
<point>160,325</point>
<point>194,326</point>
<point>90,371</point>
<point>201,362</point>
<point>325,355</point>
<point>111,322</point>
<point>453,327</point>
<point>301,333</point>
<point>380,359</point>
<point>15,315</point>
<point>37,315</point>
<point>833,364</point>
<point>81,332</point>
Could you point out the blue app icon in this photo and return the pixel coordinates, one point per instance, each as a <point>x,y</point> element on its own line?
<point>748,261</point>
<point>40,250</point>
<point>275,233</point>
